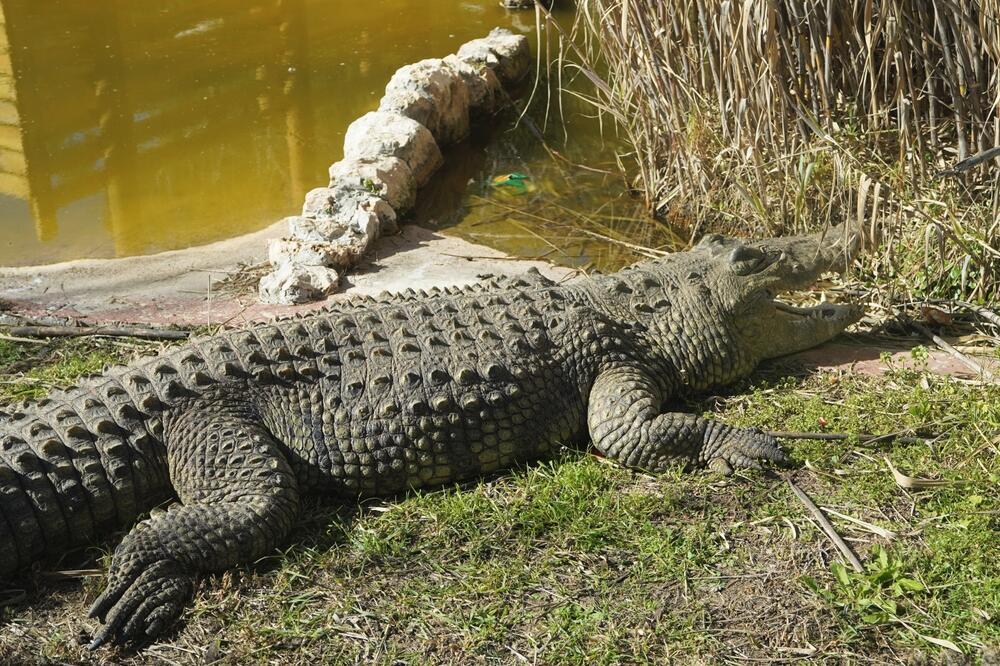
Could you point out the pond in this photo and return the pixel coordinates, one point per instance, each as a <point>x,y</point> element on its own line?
<point>130,128</point>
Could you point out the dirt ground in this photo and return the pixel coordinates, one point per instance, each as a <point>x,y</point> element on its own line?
<point>216,284</point>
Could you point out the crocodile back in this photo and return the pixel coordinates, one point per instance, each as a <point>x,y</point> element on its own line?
<point>417,392</point>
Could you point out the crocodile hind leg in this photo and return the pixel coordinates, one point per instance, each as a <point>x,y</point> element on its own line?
<point>626,425</point>
<point>239,498</point>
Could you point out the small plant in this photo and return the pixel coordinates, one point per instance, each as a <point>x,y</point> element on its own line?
<point>876,595</point>
<point>921,355</point>
<point>8,353</point>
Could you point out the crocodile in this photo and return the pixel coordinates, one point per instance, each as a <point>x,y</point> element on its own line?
<point>377,396</point>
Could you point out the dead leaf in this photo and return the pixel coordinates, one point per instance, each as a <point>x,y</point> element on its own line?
<point>913,483</point>
<point>933,315</point>
<point>942,642</point>
<point>874,529</point>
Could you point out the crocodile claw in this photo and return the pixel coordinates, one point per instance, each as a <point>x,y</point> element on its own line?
<point>743,448</point>
<point>139,604</point>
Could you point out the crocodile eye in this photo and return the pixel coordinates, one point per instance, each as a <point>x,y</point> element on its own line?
<point>746,260</point>
<point>711,239</point>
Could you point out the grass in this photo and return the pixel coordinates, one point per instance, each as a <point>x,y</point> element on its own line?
<point>580,561</point>
<point>29,371</point>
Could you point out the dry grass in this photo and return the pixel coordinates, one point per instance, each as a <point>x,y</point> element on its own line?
<point>770,117</point>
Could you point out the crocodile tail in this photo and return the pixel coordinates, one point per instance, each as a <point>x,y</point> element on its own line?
<point>73,467</point>
<point>18,528</point>
<point>32,517</point>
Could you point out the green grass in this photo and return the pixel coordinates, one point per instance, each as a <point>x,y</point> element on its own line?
<point>31,371</point>
<point>949,536</point>
<point>578,561</point>
<point>9,352</point>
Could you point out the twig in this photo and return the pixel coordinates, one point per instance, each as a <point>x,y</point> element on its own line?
<point>14,338</point>
<point>986,314</point>
<point>940,342</point>
<point>970,162</point>
<point>472,257</point>
<point>72,574</point>
<point>842,436</point>
<point>824,522</point>
<point>80,331</point>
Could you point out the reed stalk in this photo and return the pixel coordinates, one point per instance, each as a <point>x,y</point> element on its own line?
<point>767,117</point>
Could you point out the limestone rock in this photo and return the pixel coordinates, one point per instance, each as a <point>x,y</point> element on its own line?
<point>388,154</point>
<point>315,230</point>
<point>281,251</point>
<point>335,209</point>
<point>433,94</point>
<point>382,134</point>
<point>388,178</point>
<point>292,284</point>
<point>502,51</point>
<point>485,90</point>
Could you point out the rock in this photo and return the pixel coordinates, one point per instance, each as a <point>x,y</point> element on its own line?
<point>388,154</point>
<point>502,51</point>
<point>381,134</point>
<point>281,251</point>
<point>433,94</point>
<point>334,209</point>
<point>313,229</point>
<point>388,178</point>
<point>485,90</point>
<point>292,284</point>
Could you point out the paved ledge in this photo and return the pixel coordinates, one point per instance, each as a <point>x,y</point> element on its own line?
<point>173,287</point>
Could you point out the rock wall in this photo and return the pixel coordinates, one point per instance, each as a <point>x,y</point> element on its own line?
<point>388,155</point>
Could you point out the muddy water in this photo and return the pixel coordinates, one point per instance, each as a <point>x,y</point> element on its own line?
<point>134,127</point>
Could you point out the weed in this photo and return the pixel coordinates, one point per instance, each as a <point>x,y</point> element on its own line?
<point>876,595</point>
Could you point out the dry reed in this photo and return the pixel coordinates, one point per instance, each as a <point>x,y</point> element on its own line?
<point>770,117</point>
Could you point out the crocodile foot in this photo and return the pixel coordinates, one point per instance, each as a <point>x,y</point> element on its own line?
<point>732,448</point>
<point>140,602</point>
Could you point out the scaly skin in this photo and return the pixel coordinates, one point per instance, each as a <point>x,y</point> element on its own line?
<point>380,396</point>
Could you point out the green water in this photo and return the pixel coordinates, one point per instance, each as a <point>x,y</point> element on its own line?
<point>134,127</point>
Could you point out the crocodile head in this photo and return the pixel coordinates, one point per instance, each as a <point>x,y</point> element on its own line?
<point>715,311</point>
<point>745,278</point>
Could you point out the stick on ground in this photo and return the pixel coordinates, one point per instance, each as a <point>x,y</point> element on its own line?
<point>940,342</point>
<point>80,331</point>
<point>843,436</point>
<point>827,526</point>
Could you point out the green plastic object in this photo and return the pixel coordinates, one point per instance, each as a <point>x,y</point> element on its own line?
<point>514,182</point>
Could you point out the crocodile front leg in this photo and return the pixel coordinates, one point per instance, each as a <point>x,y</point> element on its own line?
<point>239,498</point>
<point>626,425</point>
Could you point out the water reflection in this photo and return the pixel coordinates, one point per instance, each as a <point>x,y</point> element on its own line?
<point>128,128</point>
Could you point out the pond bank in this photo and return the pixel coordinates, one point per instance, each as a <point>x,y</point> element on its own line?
<point>173,288</point>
